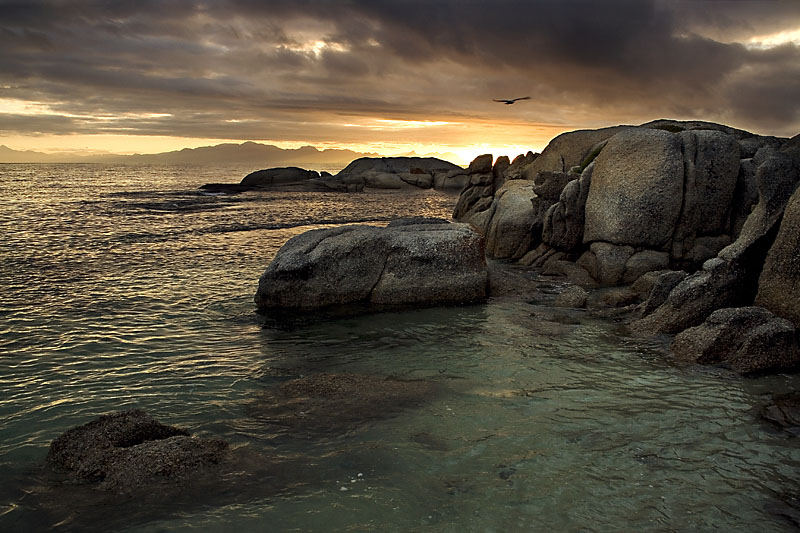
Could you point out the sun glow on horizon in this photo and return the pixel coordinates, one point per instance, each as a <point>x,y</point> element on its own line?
<point>775,39</point>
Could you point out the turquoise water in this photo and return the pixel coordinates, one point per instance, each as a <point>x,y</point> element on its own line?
<point>124,287</point>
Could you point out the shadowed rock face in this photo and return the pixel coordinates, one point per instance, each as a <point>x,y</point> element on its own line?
<point>414,264</point>
<point>779,284</point>
<point>128,451</point>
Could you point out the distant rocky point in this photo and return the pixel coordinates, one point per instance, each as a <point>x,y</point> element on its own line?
<point>394,173</point>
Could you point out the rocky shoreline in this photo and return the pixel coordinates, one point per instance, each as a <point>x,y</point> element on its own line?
<point>688,229</point>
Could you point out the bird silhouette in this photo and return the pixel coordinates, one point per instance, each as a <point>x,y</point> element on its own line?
<point>512,100</point>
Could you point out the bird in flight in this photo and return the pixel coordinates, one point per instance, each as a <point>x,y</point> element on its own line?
<point>511,101</point>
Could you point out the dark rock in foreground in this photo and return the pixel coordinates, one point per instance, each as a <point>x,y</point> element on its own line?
<point>129,451</point>
<point>749,340</point>
<point>400,265</point>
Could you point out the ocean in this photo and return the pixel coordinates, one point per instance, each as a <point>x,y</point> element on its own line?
<point>125,287</point>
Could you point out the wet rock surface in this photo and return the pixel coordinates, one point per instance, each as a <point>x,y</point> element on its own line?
<point>747,339</point>
<point>129,451</point>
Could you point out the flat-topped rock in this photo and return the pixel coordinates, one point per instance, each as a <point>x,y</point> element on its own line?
<point>401,265</point>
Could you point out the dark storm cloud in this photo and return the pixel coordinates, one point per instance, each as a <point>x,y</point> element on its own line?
<point>274,65</point>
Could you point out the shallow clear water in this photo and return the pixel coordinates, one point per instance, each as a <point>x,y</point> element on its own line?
<point>125,287</point>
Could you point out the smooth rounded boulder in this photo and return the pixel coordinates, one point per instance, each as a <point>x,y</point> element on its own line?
<point>399,265</point>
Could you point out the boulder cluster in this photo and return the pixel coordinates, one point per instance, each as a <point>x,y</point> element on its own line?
<point>697,222</point>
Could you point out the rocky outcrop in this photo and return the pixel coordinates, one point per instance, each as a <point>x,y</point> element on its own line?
<point>747,339</point>
<point>732,278</point>
<point>407,173</point>
<point>655,286</point>
<point>129,451</point>
<point>413,264</point>
<point>482,182</point>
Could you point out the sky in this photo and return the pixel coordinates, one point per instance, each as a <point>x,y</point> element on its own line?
<point>386,76</point>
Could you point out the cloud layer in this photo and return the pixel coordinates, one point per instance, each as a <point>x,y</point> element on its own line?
<point>330,71</point>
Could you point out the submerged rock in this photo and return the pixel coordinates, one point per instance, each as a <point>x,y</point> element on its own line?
<point>129,451</point>
<point>784,411</point>
<point>414,264</point>
<point>336,402</point>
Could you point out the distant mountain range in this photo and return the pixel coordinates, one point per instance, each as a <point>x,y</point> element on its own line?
<point>260,155</point>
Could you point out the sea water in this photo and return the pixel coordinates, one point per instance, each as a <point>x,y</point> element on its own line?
<point>125,286</point>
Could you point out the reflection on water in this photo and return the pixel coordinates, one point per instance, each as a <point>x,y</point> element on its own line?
<point>124,287</point>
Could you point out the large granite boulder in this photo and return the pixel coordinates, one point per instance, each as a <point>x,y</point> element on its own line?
<point>400,173</point>
<point>710,175</point>
<point>637,189</point>
<point>660,190</point>
<point>779,283</point>
<point>130,451</point>
<point>747,339</point>
<point>732,278</point>
<point>411,264</point>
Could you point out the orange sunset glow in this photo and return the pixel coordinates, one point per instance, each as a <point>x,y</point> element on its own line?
<point>86,78</point>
